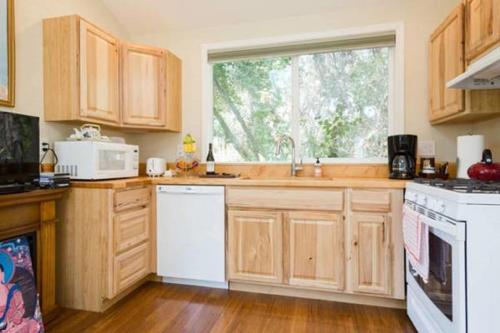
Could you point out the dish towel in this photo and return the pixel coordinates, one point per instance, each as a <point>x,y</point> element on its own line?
<point>416,241</point>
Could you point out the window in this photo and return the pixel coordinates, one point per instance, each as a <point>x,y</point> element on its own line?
<point>335,103</point>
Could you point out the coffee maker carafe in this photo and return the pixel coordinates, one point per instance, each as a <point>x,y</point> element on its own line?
<point>402,156</point>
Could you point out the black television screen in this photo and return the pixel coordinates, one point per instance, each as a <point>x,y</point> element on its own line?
<point>19,148</point>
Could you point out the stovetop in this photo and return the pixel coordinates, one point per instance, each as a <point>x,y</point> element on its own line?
<point>463,185</point>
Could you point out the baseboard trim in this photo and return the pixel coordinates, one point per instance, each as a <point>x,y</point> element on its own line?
<point>318,295</point>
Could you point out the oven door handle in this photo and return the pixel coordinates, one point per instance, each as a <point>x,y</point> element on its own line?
<point>454,230</point>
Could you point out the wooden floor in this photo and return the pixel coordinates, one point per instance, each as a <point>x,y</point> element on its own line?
<point>158,307</point>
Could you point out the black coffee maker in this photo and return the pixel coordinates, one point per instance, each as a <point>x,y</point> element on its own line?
<point>402,156</point>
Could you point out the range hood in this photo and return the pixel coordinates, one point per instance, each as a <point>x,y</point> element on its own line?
<point>482,74</point>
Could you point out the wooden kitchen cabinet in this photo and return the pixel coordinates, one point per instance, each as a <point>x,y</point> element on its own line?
<point>331,241</point>
<point>81,72</point>
<point>99,74</point>
<point>255,246</point>
<point>482,27</point>
<point>105,247</point>
<point>143,82</point>
<point>371,253</point>
<point>315,249</point>
<point>446,61</point>
<point>376,253</point>
<point>91,76</point>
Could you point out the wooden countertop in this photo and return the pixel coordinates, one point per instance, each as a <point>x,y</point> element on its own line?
<point>247,181</point>
<point>31,196</point>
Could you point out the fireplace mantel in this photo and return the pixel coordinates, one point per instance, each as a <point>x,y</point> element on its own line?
<point>29,212</point>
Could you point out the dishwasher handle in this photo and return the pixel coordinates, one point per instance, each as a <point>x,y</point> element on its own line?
<point>188,189</point>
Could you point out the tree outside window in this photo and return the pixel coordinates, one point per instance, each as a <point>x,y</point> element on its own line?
<point>342,106</point>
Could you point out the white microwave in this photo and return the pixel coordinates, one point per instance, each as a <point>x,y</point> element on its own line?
<point>91,160</point>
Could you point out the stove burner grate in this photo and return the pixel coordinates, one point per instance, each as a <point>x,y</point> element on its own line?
<point>463,185</point>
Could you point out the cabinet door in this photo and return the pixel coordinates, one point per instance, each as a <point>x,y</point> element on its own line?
<point>255,246</point>
<point>482,28</point>
<point>315,249</point>
<point>99,74</point>
<point>173,93</point>
<point>446,61</point>
<point>371,253</point>
<point>143,86</point>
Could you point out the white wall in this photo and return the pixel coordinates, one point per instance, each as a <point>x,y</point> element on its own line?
<point>29,55</point>
<point>419,17</point>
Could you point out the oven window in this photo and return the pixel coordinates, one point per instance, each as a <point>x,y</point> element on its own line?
<point>111,160</point>
<point>439,287</point>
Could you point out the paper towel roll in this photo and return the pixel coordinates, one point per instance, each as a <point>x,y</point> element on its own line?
<point>469,151</point>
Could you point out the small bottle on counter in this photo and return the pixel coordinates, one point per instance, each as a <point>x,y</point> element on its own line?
<point>318,172</point>
<point>210,161</point>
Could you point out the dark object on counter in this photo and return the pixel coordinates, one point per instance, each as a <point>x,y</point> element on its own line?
<point>402,156</point>
<point>19,152</point>
<point>54,180</point>
<point>219,175</point>
<point>210,161</point>
<point>486,169</point>
<point>427,167</point>
<point>442,172</point>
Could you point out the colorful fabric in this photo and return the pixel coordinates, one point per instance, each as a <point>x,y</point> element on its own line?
<point>19,304</point>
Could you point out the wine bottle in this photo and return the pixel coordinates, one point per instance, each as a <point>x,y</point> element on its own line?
<point>210,161</point>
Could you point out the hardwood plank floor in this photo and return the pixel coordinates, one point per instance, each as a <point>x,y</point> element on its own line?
<point>158,307</point>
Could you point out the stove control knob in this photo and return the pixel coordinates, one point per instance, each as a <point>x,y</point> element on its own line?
<point>422,199</point>
<point>440,206</point>
<point>412,196</point>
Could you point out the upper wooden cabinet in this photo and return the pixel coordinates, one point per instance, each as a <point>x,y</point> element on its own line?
<point>143,76</point>
<point>482,27</point>
<point>446,61</point>
<point>99,74</point>
<point>91,76</point>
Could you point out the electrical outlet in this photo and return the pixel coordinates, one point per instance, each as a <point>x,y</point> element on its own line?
<point>44,146</point>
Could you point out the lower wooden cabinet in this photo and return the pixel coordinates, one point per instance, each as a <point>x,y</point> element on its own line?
<point>356,249</point>
<point>105,247</point>
<point>371,253</point>
<point>315,249</point>
<point>255,245</point>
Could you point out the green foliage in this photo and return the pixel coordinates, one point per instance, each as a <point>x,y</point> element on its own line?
<point>343,105</point>
<point>251,103</point>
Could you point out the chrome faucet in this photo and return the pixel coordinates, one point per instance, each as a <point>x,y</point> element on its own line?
<point>293,168</point>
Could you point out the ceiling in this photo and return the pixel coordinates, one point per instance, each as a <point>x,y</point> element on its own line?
<point>151,16</point>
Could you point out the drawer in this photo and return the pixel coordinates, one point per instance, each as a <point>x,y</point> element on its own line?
<point>286,198</point>
<point>127,199</point>
<point>130,267</point>
<point>370,200</point>
<point>131,228</point>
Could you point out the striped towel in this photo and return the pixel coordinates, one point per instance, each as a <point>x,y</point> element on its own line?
<point>416,241</point>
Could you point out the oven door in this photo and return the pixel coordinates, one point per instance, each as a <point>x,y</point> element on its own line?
<point>438,305</point>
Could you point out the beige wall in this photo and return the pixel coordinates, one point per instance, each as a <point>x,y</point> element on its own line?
<point>419,18</point>
<point>29,56</point>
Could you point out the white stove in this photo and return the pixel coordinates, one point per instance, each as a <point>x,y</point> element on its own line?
<point>461,294</point>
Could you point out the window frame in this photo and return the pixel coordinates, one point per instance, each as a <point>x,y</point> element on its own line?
<point>396,84</point>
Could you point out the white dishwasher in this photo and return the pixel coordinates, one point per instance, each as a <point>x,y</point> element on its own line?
<point>190,234</point>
